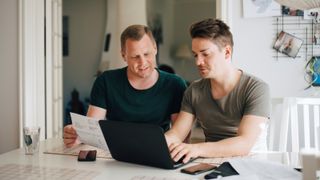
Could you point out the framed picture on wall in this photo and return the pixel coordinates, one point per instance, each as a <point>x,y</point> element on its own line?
<point>65,38</point>
<point>260,8</point>
<point>288,44</point>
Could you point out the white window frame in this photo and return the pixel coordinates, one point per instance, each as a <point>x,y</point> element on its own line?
<point>39,81</point>
<point>224,11</point>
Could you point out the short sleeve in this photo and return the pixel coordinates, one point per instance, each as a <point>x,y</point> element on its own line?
<point>258,100</point>
<point>99,93</point>
<point>178,95</point>
<point>186,104</point>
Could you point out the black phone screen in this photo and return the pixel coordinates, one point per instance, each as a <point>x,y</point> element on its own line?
<point>87,155</point>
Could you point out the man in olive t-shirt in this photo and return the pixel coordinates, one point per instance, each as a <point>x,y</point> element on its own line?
<point>220,118</point>
<point>231,106</point>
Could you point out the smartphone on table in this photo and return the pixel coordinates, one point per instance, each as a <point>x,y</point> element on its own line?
<point>87,155</point>
<point>199,168</point>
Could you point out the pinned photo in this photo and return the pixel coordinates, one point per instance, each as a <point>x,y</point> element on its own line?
<point>287,11</point>
<point>288,44</point>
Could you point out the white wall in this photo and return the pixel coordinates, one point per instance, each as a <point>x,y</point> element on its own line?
<point>164,9</point>
<point>254,38</point>
<point>86,32</point>
<point>186,12</point>
<point>9,91</point>
<point>177,16</point>
<point>120,14</point>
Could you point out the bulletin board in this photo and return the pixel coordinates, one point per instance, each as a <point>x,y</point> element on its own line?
<point>307,30</point>
<point>304,29</point>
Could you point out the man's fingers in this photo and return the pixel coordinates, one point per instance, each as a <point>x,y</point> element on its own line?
<point>182,152</point>
<point>69,142</point>
<point>69,135</point>
<point>69,132</point>
<point>172,146</point>
<point>178,151</point>
<point>69,129</point>
<point>187,158</point>
<point>174,149</point>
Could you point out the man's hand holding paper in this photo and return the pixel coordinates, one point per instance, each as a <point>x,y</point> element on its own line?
<point>70,136</point>
<point>87,130</point>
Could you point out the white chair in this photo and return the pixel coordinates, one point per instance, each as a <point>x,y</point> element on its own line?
<point>274,124</point>
<point>294,126</point>
<point>298,127</point>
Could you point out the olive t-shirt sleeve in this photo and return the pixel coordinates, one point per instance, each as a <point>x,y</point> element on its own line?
<point>186,104</point>
<point>258,101</point>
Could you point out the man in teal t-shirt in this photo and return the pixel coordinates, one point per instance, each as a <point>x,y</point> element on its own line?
<point>155,105</point>
<point>137,93</point>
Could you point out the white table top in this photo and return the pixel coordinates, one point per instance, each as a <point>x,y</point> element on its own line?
<point>112,169</point>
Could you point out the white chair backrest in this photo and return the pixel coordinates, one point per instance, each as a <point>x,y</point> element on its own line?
<point>274,124</point>
<point>302,116</point>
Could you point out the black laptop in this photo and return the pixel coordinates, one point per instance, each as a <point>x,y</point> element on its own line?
<point>138,143</point>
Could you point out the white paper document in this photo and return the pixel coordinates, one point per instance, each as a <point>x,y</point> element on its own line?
<point>262,170</point>
<point>74,150</point>
<point>89,131</point>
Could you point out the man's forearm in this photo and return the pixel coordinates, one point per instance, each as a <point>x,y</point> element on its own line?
<point>172,137</point>
<point>236,146</point>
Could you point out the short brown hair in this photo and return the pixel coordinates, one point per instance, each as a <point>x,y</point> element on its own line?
<point>213,29</point>
<point>135,32</point>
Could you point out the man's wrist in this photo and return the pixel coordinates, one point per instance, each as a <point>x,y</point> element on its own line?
<point>200,149</point>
